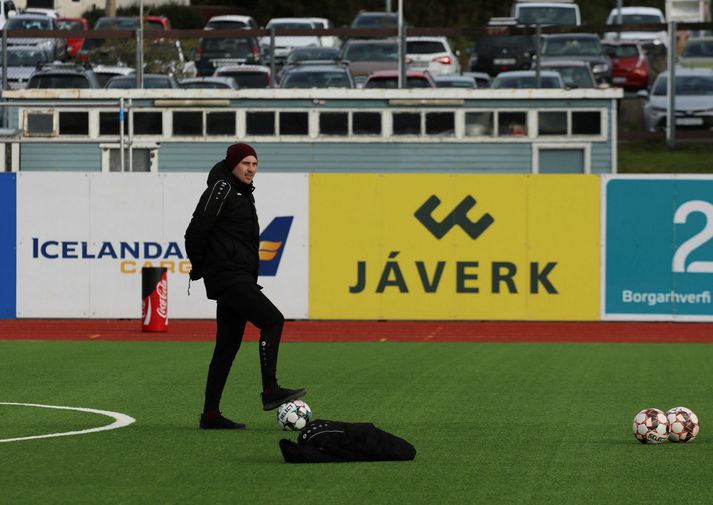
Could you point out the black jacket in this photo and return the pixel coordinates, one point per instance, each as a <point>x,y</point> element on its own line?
<point>223,237</point>
<point>324,441</point>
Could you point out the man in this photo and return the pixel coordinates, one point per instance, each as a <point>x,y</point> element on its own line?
<point>222,242</point>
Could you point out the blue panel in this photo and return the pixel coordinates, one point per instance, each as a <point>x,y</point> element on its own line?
<point>659,257</point>
<point>58,157</point>
<point>561,161</point>
<point>8,242</point>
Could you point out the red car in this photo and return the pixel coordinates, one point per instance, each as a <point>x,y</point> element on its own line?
<point>73,45</point>
<point>390,78</point>
<point>157,23</point>
<point>630,65</point>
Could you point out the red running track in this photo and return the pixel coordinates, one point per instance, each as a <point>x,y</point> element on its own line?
<point>369,331</point>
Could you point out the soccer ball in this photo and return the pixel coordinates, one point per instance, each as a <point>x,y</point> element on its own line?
<point>293,416</point>
<point>682,424</point>
<point>651,426</point>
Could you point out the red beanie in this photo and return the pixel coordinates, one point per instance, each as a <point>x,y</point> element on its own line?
<point>236,153</point>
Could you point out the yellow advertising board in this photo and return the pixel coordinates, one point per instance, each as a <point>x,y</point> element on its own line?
<point>454,246</point>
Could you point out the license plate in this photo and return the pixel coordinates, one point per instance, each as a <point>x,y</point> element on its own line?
<point>689,121</point>
<point>619,79</point>
<point>504,61</point>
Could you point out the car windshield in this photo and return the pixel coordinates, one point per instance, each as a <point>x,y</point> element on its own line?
<point>386,51</point>
<point>698,49</point>
<point>58,81</point>
<point>130,82</point>
<point>424,47</point>
<point>18,23</point>
<point>315,80</point>
<point>248,79</point>
<point>313,53</point>
<point>455,84</point>
<point>637,19</point>
<point>375,21</point>
<point>393,83</point>
<point>290,25</point>
<point>571,47</point>
<point>226,25</point>
<point>553,15</point>
<point>575,77</point>
<point>227,48</point>
<point>66,24</point>
<point>116,24</point>
<point>621,51</point>
<point>23,58</point>
<point>204,85</point>
<point>525,82</point>
<point>686,85</point>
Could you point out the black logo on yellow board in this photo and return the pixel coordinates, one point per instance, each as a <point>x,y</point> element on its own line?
<point>457,217</point>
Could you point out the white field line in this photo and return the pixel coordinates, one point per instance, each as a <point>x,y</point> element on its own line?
<point>120,421</point>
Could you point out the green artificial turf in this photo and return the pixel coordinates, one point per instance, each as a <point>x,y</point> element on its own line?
<point>492,423</point>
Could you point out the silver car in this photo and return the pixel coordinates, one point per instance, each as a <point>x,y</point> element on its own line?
<point>694,100</point>
<point>55,48</point>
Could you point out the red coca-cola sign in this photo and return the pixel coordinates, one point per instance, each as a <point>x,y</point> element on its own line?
<point>154,308</point>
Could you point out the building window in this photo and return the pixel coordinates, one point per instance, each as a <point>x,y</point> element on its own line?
<point>479,123</point>
<point>148,123</point>
<point>407,123</point>
<point>366,123</point>
<point>440,123</point>
<point>294,123</point>
<point>260,123</point>
<point>586,123</point>
<point>512,123</point>
<point>220,123</point>
<point>334,123</point>
<point>109,123</point>
<point>552,123</point>
<point>74,123</point>
<point>188,123</point>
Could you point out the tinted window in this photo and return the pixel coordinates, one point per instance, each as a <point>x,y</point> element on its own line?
<point>294,123</point>
<point>248,79</point>
<point>424,47</point>
<point>25,58</point>
<point>686,85</point>
<point>109,123</point>
<point>16,23</point>
<point>315,80</point>
<point>440,123</point>
<point>218,25</point>
<point>571,47</point>
<point>148,123</point>
<point>698,49</point>
<point>58,81</point>
<point>334,123</point>
<point>73,123</point>
<point>586,123</point>
<point>547,15</point>
<point>393,83</point>
<point>227,48</point>
<point>260,123</point>
<point>65,24</point>
<point>188,123</point>
<point>371,52</point>
<point>204,85</point>
<point>489,45</point>
<point>375,21</point>
<point>220,123</point>
<point>622,51</point>
<point>407,123</point>
<point>366,123</point>
<point>638,19</point>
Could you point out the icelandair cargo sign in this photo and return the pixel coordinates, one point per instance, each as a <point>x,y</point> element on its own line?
<point>82,240</point>
<point>454,247</point>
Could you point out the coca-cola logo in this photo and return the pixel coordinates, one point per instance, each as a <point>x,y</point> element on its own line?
<point>162,291</point>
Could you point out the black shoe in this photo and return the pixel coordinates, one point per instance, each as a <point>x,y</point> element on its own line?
<point>277,396</point>
<point>220,423</point>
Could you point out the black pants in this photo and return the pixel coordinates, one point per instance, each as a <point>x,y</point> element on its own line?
<point>236,306</point>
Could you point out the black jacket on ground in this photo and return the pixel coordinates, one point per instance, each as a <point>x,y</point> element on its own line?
<point>324,441</point>
<point>223,237</point>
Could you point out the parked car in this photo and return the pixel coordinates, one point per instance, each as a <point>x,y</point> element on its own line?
<point>455,81</point>
<point>375,20</point>
<point>231,22</point>
<point>63,76</point>
<point>575,73</point>
<point>326,40</point>
<point>151,81</point>
<point>433,54</point>
<point>368,56</point>
<point>22,61</point>
<point>73,44</point>
<point>546,13</point>
<point>694,100</point>
<point>106,72</point>
<point>211,82</point>
<point>246,76</point>
<point>156,23</point>
<point>638,16</point>
<point>493,54</point>
<point>302,55</point>
<point>389,79</point>
<point>482,80</point>
<point>630,65</point>
<point>697,52</point>
<point>326,75</point>
<point>526,79</point>
<point>580,46</point>
<point>56,48</point>
<point>286,43</point>
<point>216,52</point>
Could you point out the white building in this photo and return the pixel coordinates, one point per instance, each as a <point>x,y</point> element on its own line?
<point>75,8</point>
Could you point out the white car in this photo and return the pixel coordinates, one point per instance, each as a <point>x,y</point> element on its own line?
<point>694,100</point>
<point>231,21</point>
<point>637,16</point>
<point>283,43</point>
<point>326,40</point>
<point>433,54</point>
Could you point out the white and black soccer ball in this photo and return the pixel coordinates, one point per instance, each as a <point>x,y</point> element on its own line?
<point>651,426</point>
<point>683,424</point>
<point>294,415</point>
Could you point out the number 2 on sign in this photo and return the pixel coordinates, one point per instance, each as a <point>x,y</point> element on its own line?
<point>693,243</point>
